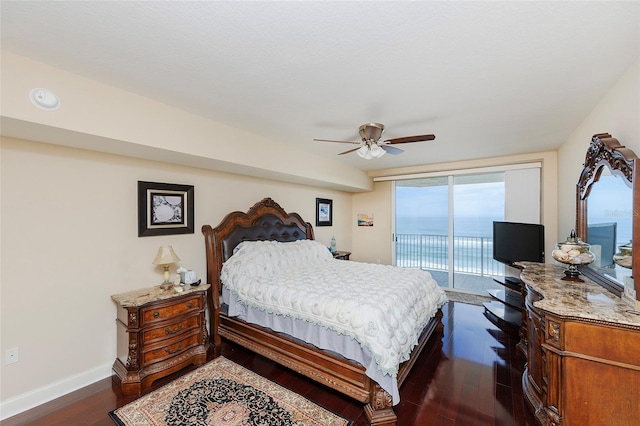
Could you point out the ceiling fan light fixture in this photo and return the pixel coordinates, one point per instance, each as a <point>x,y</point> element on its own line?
<point>371,132</point>
<point>370,151</point>
<point>371,145</point>
<point>376,151</point>
<point>364,152</point>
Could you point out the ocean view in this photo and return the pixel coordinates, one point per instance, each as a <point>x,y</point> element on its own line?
<point>423,243</point>
<point>463,226</point>
<point>422,223</point>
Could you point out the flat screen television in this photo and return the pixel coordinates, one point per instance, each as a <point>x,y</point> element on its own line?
<point>514,242</point>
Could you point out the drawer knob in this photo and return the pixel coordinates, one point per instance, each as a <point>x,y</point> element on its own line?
<point>190,305</point>
<point>156,314</point>
<point>170,352</point>
<point>169,331</point>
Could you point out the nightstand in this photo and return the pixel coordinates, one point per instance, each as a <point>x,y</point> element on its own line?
<point>159,332</point>
<point>342,255</point>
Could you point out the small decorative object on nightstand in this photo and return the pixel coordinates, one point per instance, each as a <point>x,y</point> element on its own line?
<point>159,332</point>
<point>342,255</point>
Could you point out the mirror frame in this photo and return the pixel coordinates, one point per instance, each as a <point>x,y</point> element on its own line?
<point>605,150</point>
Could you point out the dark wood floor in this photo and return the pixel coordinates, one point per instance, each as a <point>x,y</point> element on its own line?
<point>468,375</point>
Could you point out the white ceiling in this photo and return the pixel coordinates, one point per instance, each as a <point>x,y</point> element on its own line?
<point>488,78</point>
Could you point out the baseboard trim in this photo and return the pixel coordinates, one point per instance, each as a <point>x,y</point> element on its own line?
<point>31,399</point>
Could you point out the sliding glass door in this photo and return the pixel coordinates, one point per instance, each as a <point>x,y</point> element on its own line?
<point>478,200</point>
<point>444,225</point>
<point>422,226</point>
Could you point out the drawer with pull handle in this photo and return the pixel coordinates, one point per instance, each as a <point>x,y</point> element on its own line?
<point>164,312</point>
<point>167,351</point>
<point>166,331</point>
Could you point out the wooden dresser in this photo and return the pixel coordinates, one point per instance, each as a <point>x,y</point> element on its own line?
<point>583,352</point>
<point>159,332</point>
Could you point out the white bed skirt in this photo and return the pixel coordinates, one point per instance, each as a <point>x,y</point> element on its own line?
<point>316,335</point>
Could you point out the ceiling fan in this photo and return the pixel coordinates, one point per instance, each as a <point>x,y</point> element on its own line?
<point>372,147</point>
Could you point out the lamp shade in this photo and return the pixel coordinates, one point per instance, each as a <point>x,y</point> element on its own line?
<point>377,151</point>
<point>165,256</point>
<point>364,152</point>
<point>370,151</point>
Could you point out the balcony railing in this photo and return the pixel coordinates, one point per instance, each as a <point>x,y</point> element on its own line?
<point>472,255</point>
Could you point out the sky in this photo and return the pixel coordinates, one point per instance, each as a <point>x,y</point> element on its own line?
<point>470,200</point>
<point>610,200</point>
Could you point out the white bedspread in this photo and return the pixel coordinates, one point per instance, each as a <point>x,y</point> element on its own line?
<point>384,308</point>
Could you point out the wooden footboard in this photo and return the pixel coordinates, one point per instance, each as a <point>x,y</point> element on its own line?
<point>338,373</point>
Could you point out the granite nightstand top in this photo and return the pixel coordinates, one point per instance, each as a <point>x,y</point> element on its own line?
<point>153,294</point>
<point>585,300</point>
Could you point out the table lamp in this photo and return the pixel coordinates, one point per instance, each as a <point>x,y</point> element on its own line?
<point>166,256</point>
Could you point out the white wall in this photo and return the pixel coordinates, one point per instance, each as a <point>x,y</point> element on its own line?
<point>69,241</point>
<point>373,243</point>
<point>618,114</point>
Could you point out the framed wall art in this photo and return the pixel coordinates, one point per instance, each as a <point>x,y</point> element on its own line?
<point>324,212</point>
<point>365,219</point>
<point>164,209</point>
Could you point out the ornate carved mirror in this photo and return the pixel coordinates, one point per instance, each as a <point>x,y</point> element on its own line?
<point>606,199</point>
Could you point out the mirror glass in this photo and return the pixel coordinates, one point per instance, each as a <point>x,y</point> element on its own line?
<point>605,201</point>
<point>609,223</point>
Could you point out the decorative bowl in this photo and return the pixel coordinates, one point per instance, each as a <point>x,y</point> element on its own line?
<point>573,252</point>
<point>624,256</point>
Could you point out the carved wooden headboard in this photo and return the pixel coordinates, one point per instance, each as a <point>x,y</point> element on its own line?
<point>266,220</point>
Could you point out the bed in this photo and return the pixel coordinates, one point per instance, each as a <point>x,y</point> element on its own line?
<point>267,222</point>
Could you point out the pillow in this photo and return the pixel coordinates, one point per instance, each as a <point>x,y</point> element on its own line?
<point>253,258</point>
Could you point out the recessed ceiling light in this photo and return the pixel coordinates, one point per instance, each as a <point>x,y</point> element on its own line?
<point>44,99</point>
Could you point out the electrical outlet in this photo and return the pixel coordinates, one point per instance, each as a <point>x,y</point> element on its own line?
<point>11,356</point>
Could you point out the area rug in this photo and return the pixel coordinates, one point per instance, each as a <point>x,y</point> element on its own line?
<point>226,394</point>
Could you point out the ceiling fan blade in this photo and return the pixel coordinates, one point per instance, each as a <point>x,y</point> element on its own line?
<point>392,149</point>
<point>351,150</point>
<point>407,139</point>
<point>331,140</point>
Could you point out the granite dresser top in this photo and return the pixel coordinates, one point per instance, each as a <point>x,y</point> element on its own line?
<point>153,294</point>
<point>586,300</point>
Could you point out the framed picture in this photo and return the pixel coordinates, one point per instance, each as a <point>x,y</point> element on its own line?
<point>324,212</point>
<point>365,219</point>
<point>164,209</point>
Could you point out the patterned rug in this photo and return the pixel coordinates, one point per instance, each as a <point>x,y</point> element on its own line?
<point>226,394</point>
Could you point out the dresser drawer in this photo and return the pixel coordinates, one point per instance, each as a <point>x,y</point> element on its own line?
<point>160,331</point>
<point>164,312</point>
<point>165,351</point>
<point>155,334</point>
